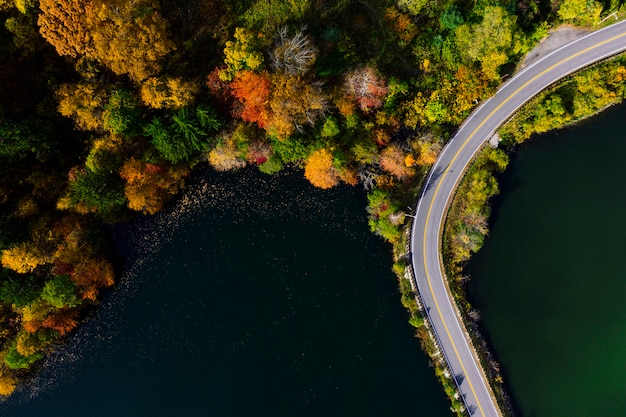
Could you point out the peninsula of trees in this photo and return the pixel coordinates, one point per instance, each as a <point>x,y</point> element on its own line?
<point>107,106</point>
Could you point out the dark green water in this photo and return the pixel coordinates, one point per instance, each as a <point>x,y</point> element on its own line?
<point>551,279</point>
<point>257,297</point>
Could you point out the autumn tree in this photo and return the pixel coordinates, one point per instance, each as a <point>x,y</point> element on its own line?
<point>62,321</point>
<point>37,311</point>
<point>8,382</point>
<point>226,157</point>
<point>384,215</point>
<point>83,102</point>
<point>167,92</point>
<point>14,360</point>
<point>320,170</point>
<point>129,37</point>
<point>258,152</point>
<point>253,91</point>
<point>366,88</point>
<point>294,103</point>
<point>241,54</point>
<point>149,186</point>
<point>392,159</point>
<point>582,12</point>
<point>95,191</point>
<point>63,24</point>
<point>24,257</point>
<point>24,31</point>
<point>488,41</point>
<point>293,55</point>
<point>90,275</point>
<point>427,152</point>
<point>412,6</point>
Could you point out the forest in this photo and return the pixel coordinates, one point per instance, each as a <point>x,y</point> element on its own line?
<point>108,107</point>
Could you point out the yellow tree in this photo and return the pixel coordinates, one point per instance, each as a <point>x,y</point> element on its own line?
<point>294,103</point>
<point>319,169</point>
<point>8,383</point>
<point>240,54</point>
<point>489,40</point>
<point>129,37</point>
<point>62,23</point>
<point>171,93</point>
<point>24,258</point>
<point>83,102</point>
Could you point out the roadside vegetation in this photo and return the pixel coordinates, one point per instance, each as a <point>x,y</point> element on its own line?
<point>573,99</point>
<point>109,106</point>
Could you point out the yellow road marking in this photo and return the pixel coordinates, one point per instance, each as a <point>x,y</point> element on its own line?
<point>446,173</point>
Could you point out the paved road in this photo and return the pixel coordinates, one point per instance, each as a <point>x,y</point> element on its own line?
<point>441,184</point>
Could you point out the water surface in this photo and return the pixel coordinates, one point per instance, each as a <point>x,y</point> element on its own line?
<point>258,296</point>
<point>550,281</point>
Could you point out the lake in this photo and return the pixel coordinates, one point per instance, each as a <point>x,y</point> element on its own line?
<point>550,281</point>
<point>256,296</point>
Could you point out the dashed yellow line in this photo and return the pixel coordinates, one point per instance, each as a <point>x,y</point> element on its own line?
<point>446,173</point>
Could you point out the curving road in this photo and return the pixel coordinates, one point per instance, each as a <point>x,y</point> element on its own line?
<point>442,182</point>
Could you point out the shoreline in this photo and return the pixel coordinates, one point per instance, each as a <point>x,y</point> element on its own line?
<point>455,276</point>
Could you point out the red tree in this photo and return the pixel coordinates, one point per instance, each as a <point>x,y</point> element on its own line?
<point>253,91</point>
<point>366,88</point>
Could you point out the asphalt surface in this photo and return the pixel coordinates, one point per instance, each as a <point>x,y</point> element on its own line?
<point>440,187</point>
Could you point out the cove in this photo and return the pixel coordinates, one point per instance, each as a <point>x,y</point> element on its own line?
<point>256,296</point>
<point>550,281</point>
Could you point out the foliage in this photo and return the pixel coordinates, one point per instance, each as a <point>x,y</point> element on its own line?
<point>366,88</point>
<point>412,6</point>
<point>580,12</point>
<point>240,54</point>
<point>393,79</point>
<point>24,258</point>
<point>18,139</point>
<point>487,41</point>
<point>168,92</point>
<point>98,191</point>
<point>394,161</point>
<point>293,104</point>
<point>82,102</point>
<point>320,170</point>
<point>268,15</point>
<point>121,114</point>
<point>8,383</point>
<point>60,292</point>
<point>578,97</point>
<point>253,91</point>
<point>187,133</point>
<point>272,165</point>
<point>466,225</point>
<point>293,55</point>
<point>384,216</point>
<point>129,37</point>
<point>62,23</point>
<point>149,186</point>
<point>16,361</point>
<point>451,18</point>
<point>225,157</point>
<point>19,291</point>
